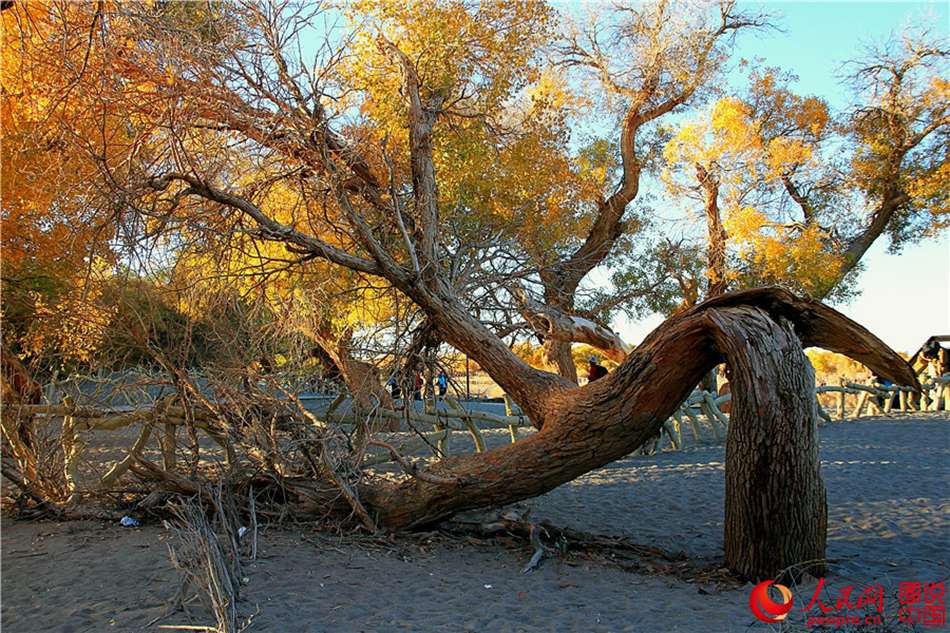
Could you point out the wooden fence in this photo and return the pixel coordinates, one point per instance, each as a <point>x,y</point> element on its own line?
<point>699,420</point>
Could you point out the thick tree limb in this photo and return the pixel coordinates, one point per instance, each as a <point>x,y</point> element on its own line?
<point>587,427</point>
<point>554,324</point>
<point>715,233</point>
<point>776,513</point>
<point>422,116</point>
<point>818,325</point>
<point>650,100</point>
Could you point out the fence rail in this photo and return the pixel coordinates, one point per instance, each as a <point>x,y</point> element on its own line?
<point>700,419</point>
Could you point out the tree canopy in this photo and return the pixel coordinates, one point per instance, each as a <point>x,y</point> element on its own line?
<point>307,153</point>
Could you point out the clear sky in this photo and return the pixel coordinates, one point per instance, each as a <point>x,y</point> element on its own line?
<point>905,298</point>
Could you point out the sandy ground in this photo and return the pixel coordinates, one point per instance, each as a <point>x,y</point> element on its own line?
<point>889,521</point>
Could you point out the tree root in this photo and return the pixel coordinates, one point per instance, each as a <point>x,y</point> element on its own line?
<point>575,547</point>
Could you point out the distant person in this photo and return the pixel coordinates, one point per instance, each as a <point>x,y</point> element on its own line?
<point>443,382</point>
<point>883,382</point>
<point>394,389</point>
<point>937,358</point>
<point>931,350</point>
<point>595,370</point>
<point>417,387</point>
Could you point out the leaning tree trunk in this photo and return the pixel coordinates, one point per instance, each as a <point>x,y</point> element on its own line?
<point>582,428</point>
<point>362,379</point>
<point>715,248</point>
<point>557,353</point>
<point>776,515</point>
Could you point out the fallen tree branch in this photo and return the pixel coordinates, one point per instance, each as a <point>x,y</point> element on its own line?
<point>14,477</point>
<point>539,549</point>
<point>146,470</point>
<point>409,447</point>
<point>412,469</point>
<point>121,467</point>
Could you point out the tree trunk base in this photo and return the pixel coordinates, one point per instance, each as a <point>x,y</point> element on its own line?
<point>776,510</point>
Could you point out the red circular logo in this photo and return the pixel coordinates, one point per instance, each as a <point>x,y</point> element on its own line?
<point>767,609</point>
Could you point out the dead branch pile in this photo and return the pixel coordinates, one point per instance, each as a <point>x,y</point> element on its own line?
<point>207,548</point>
<point>265,436</point>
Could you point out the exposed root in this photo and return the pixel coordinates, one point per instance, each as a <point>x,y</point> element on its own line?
<point>574,547</point>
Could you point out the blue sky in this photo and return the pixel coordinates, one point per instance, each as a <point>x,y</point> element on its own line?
<point>905,298</point>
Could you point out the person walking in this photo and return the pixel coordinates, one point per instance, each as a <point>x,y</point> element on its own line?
<point>417,388</point>
<point>443,382</point>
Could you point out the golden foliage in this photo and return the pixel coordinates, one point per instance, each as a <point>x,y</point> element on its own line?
<point>748,146</point>
<point>832,368</point>
<point>794,254</point>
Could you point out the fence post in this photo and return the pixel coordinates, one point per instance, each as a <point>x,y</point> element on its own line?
<point>841,396</point>
<point>693,423</point>
<point>167,441</point>
<point>72,448</point>
<point>888,401</point>
<point>862,398</point>
<point>510,411</point>
<point>713,420</point>
<point>473,429</point>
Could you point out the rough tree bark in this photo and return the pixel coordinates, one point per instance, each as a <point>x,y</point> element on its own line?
<point>715,248</point>
<point>583,428</point>
<point>556,351</point>
<point>715,233</point>
<point>776,514</point>
<point>558,327</point>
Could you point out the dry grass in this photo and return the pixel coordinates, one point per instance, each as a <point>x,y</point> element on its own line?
<point>207,556</point>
